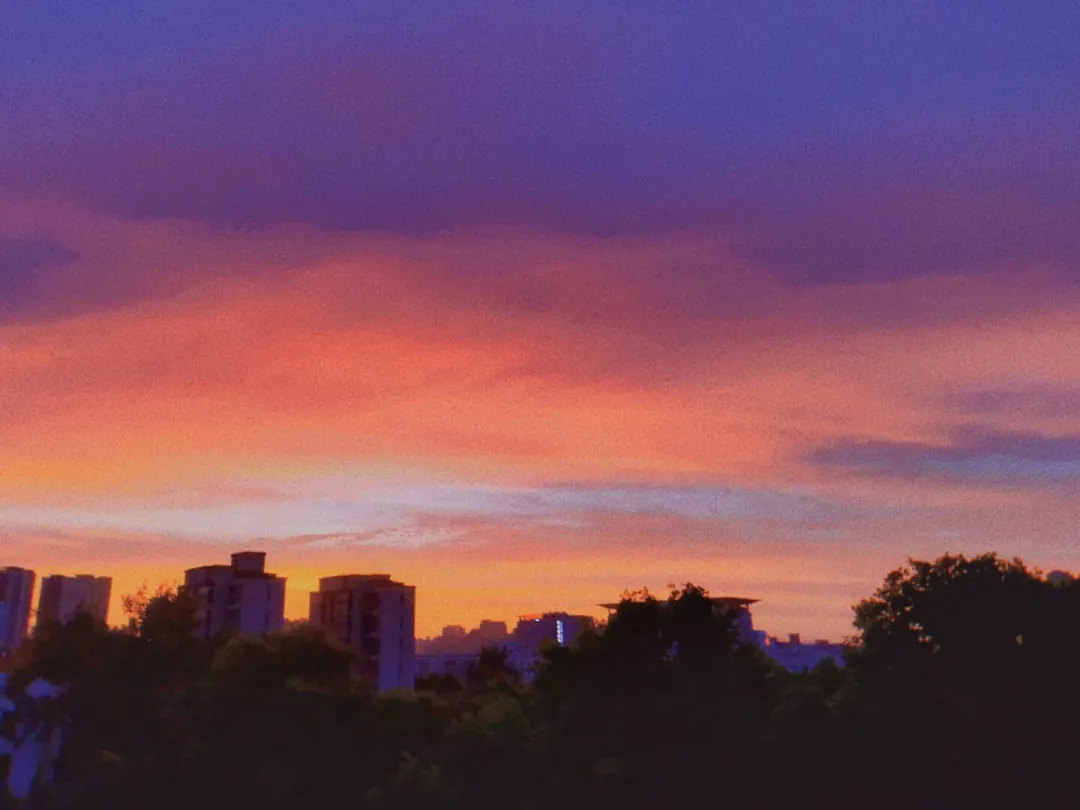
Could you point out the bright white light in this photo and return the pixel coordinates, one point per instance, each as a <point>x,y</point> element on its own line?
<point>559,632</point>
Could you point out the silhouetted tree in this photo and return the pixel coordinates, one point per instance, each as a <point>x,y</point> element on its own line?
<point>445,684</point>
<point>304,654</point>
<point>492,670</point>
<point>973,662</point>
<point>961,682</point>
<point>644,711</point>
<point>120,681</point>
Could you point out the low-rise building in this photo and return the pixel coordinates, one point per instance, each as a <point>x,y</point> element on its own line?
<point>441,664</point>
<point>534,630</point>
<point>456,640</point>
<point>523,646</point>
<point>524,662</point>
<point>795,656</point>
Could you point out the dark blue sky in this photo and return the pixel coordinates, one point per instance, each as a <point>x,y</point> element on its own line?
<point>616,117</point>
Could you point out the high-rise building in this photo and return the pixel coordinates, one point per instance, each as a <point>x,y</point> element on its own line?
<point>240,597</point>
<point>375,617</point>
<point>63,598</point>
<point>16,593</point>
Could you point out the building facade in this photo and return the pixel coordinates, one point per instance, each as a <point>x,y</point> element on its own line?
<point>795,655</point>
<point>535,630</point>
<point>524,662</point>
<point>241,597</point>
<point>16,595</point>
<point>376,618</point>
<point>63,598</point>
<point>523,646</point>
<point>456,664</point>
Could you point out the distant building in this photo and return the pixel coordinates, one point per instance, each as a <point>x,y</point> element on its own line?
<point>534,630</point>
<point>795,656</point>
<point>456,640</point>
<point>488,633</point>
<point>16,594</point>
<point>241,597</point>
<point>63,598</point>
<point>454,652</point>
<point>375,617</point>
<point>524,662</point>
<point>456,664</point>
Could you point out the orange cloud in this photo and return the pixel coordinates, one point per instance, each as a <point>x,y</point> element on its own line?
<point>227,364</point>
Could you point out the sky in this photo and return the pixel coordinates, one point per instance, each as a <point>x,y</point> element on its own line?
<point>529,303</point>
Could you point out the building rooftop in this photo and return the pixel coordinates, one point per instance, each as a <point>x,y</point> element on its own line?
<point>553,614</point>
<point>346,581</point>
<point>720,601</point>
<point>214,567</point>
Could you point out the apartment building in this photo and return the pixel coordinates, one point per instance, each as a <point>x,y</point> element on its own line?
<point>62,598</point>
<point>240,597</point>
<point>376,617</point>
<point>16,595</point>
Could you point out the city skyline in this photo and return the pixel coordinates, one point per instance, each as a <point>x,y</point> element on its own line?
<point>247,567</point>
<point>532,303</point>
<point>371,615</point>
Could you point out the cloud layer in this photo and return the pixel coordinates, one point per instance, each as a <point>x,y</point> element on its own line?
<point>541,299</point>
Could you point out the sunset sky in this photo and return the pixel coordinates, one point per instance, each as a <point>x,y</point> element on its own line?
<point>527,303</point>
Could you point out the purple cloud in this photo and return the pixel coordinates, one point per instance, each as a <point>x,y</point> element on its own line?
<point>829,143</point>
<point>972,455</point>
<point>1031,401</point>
<point>24,265</point>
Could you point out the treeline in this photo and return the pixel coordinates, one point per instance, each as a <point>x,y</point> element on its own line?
<point>962,684</point>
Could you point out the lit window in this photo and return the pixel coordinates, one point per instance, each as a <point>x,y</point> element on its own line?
<point>559,632</point>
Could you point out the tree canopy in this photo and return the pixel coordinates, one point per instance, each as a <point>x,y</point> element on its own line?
<point>960,681</point>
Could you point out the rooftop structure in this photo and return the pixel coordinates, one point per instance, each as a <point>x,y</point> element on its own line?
<point>719,602</point>
<point>737,607</point>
